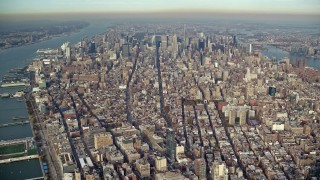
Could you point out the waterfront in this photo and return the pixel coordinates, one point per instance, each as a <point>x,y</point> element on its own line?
<point>10,107</point>
<point>21,170</point>
<point>274,52</point>
<point>21,56</point>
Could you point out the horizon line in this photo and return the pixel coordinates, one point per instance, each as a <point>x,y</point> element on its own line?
<point>163,12</point>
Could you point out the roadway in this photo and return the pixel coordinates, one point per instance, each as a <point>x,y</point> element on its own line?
<point>74,152</point>
<point>97,166</point>
<point>52,166</point>
<point>162,104</point>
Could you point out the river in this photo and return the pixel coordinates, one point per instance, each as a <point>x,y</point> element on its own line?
<point>274,52</point>
<point>9,107</point>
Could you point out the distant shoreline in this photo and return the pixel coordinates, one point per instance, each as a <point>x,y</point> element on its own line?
<point>44,39</point>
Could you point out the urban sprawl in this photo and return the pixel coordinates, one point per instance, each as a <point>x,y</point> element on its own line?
<point>145,102</point>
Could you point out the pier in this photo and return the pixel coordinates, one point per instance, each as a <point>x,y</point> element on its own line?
<point>20,117</point>
<point>15,141</point>
<point>14,124</point>
<point>36,178</point>
<point>10,160</point>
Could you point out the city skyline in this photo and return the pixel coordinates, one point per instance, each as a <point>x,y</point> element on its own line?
<point>308,7</point>
<point>159,95</point>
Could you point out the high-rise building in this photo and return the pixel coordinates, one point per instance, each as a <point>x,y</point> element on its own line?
<point>200,168</point>
<point>161,164</point>
<point>32,76</point>
<point>235,41</point>
<point>219,171</point>
<point>68,52</point>
<point>125,50</point>
<point>272,91</point>
<point>143,167</point>
<point>77,175</point>
<point>175,43</point>
<point>171,145</point>
<point>301,63</point>
<point>202,44</point>
<point>225,75</point>
<point>102,139</point>
<point>184,35</point>
<point>249,91</point>
<point>201,58</point>
<point>92,47</point>
<point>164,43</point>
<point>242,117</point>
<point>232,116</point>
<point>105,37</point>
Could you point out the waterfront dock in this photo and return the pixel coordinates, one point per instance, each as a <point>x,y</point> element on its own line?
<point>14,124</point>
<point>10,160</point>
<point>20,117</point>
<point>15,141</point>
<point>35,178</point>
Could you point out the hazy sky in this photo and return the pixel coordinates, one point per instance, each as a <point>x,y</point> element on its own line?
<point>111,6</point>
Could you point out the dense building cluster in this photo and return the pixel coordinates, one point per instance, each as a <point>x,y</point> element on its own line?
<point>144,101</point>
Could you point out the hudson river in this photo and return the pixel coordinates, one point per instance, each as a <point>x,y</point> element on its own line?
<point>9,107</point>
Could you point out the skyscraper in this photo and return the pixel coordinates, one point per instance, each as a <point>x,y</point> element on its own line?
<point>125,50</point>
<point>201,44</point>
<point>161,163</point>
<point>225,75</point>
<point>68,52</point>
<point>201,58</point>
<point>235,41</point>
<point>272,91</point>
<point>219,171</point>
<point>301,63</point>
<point>243,117</point>
<point>175,43</point>
<point>200,168</point>
<point>92,47</point>
<point>232,117</point>
<point>171,145</point>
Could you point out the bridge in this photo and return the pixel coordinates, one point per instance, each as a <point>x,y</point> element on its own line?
<point>269,43</point>
<point>14,124</point>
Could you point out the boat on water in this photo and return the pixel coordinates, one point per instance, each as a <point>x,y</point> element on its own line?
<point>20,100</point>
<point>19,117</point>
<point>13,84</point>
<point>5,95</point>
<point>18,94</point>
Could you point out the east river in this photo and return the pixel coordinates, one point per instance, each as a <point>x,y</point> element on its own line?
<point>274,52</point>
<point>10,107</point>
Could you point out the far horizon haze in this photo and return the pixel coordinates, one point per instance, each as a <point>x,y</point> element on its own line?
<point>299,7</point>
